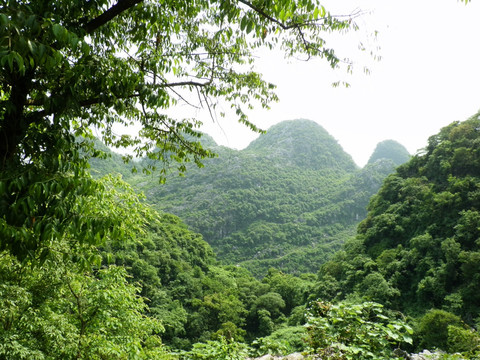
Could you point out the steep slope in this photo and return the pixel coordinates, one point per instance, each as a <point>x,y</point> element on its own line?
<point>289,200</point>
<point>419,246</point>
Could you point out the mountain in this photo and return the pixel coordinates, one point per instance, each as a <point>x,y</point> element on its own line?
<point>289,200</point>
<point>390,150</point>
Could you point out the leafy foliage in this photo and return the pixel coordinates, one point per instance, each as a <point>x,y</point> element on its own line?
<point>219,349</point>
<point>283,341</point>
<point>355,331</point>
<point>58,303</point>
<point>58,311</point>
<point>70,66</point>
<point>433,328</point>
<point>197,300</point>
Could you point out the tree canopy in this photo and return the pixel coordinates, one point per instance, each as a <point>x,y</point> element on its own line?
<point>70,66</point>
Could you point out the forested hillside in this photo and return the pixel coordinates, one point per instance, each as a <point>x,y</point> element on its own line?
<point>416,250</point>
<point>196,299</point>
<point>288,200</point>
<point>419,248</point>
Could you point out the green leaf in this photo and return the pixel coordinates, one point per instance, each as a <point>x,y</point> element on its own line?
<point>74,40</point>
<point>59,32</point>
<point>10,58</point>
<point>19,60</point>
<point>407,339</point>
<point>31,46</point>
<point>3,20</point>
<point>250,26</point>
<point>244,22</point>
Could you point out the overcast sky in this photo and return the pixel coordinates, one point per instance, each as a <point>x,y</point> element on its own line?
<point>428,77</point>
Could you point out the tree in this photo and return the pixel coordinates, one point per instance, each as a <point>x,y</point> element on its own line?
<point>292,290</point>
<point>73,66</point>
<point>68,67</point>
<point>58,312</point>
<point>418,248</point>
<point>59,303</point>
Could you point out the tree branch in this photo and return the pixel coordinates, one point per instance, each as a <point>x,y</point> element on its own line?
<point>185,83</point>
<point>97,100</point>
<point>265,15</point>
<point>108,15</point>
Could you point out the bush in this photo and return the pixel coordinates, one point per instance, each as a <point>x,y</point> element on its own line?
<point>283,341</point>
<point>432,329</point>
<point>462,340</point>
<point>354,331</point>
<point>222,349</point>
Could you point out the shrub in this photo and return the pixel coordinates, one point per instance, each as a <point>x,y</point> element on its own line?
<point>462,340</point>
<point>432,329</point>
<point>221,349</point>
<point>283,341</point>
<point>354,331</point>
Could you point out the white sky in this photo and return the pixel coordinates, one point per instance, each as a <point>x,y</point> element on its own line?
<point>428,77</point>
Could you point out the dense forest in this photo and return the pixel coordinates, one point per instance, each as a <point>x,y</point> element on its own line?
<point>286,246</point>
<point>418,249</point>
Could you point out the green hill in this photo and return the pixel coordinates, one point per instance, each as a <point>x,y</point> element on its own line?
<point>392,150</point>
<point>303,144</point>
<point>289,200</point>
<point>419,246</point>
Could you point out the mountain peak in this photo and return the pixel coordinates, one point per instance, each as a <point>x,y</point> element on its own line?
<point>390,150</point>
<point>303,143</point>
